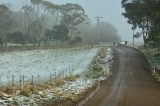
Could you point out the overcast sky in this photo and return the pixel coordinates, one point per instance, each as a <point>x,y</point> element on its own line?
<point>110,10</point>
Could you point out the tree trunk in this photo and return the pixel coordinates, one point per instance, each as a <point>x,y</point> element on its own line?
<point>5,40</point>
<point>71,36</point>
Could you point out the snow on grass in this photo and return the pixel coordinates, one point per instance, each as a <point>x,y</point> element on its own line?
<point>101,65</point>
<point>67,88</point>
<point>84,64</point>
<point>44,62</point>
<point>70,90</point>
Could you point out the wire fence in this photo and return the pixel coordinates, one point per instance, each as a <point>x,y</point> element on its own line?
<point>35,80</point>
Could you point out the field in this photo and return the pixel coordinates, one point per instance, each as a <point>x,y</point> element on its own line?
<point>64,74</point>
<point>44,63</point>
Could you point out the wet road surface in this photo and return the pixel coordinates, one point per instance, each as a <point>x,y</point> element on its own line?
<point>131,83</point>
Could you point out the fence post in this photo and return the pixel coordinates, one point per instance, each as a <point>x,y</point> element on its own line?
<point>38,79</point>
<point>32,80</point>
<point>13,80</point>
<point>67,72</point>
<point>63,73</point>
<point>20,84</point>
<point>72,66</point>
<point>50,77</point>
<point>23,79</point>
<point>59,75</point>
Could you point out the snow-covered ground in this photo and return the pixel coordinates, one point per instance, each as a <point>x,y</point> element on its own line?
<point>58,59</point>
<point>43,62</point>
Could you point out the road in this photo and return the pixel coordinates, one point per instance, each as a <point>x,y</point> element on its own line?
<point>131,83</point>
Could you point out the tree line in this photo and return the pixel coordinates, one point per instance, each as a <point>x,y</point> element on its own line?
<point>144,14</point>
<point>30,28</point>
<point>40,23</point>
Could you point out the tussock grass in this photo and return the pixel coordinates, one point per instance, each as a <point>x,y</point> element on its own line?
<point>70,78</point>
<point>10,90</point>
<point>58,82</point>
<point>28,89</point>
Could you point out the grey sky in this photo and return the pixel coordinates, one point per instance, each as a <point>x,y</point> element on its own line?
<point>110,10</point>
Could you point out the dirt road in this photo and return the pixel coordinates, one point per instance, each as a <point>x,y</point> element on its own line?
<point>131,83</point>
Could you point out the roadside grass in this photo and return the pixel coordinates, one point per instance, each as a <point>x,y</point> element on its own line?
<point>97,66</point>
<point>70,78</point>
<point>72,100</point>
<point>153,57</point>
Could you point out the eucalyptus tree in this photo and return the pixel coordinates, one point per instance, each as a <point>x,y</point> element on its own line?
<point>63,33</point>
<point>136,14</point>
<point>60,32</point>
<point>72,15</point>
<point>53,9</point>
<point>36,28</point>
<point>144,14</point>
<point>6,23</point>
<point>48,34</point>
<point>78,39</point>
<point>28,19</point>
<point>37,25</point>
<point>16,37</point>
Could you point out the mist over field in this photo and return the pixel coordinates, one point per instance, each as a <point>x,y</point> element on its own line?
<point>46,23</point>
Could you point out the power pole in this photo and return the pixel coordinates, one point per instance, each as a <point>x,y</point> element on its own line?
<point>98,21</point>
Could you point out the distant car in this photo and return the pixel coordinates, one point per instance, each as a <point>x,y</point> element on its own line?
<point>122,43</point>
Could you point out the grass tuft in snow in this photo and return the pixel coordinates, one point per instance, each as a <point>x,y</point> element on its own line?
<point>28,89</point>
<point>58,82</point>
<point>10,90</point>
<point>25,92</point>
<point>70,78</point>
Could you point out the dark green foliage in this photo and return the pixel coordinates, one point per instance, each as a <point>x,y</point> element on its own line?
<point>48,34</point>
<point>59,32</point>
<point>73,15</point>
<point>78,39</point>
<point>144,14</point>
<point>16,37</point>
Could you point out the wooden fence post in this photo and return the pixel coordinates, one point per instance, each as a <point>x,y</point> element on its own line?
<point>32,82</point>
<point>20,84</point>
<point>38,79</point>
<point>50,77</point>
<point>23,79</point>
<point>13,80</point>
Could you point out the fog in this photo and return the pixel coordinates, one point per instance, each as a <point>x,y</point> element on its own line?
<point>110,10</point>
